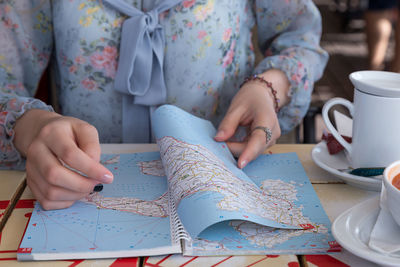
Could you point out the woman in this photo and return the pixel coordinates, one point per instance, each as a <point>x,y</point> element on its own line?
<point>115,61</point>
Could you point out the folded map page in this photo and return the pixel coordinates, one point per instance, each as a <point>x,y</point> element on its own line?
<point>191,190</point>
<point>202,175</point>
<point>288,196</point>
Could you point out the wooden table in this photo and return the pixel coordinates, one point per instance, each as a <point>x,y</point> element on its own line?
<point>335,197</point>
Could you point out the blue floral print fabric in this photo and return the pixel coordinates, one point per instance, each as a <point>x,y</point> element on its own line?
<point>208,53</point>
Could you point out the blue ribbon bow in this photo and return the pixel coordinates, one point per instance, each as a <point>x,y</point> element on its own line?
<point>140,75</point>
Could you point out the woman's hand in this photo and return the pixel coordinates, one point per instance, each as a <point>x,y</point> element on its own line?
<point>254,106</point>
<point>50,142</point>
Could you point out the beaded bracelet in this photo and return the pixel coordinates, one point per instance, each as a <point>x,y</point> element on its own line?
<point>268,84</point>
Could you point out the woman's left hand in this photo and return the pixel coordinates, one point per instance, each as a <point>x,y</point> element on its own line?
<point>254,106</point>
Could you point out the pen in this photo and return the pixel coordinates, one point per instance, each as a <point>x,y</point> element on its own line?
<point>97,188</point>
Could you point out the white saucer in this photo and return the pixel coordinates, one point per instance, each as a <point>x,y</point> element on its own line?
<point>353,228</point>
<point>334,163</point>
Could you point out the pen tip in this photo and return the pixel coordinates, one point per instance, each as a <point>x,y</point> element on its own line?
<point>98,188</point>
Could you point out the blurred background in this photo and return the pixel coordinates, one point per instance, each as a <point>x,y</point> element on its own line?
<point>344,38</point>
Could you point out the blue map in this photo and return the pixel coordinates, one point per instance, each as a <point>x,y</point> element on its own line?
<point>129,215</point>
<point>191,189</point>
<point>289,192</point>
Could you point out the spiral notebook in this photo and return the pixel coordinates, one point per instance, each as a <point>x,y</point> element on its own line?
<point>188,198</point>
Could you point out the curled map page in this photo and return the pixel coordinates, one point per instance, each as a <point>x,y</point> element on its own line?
<point>204,181</point>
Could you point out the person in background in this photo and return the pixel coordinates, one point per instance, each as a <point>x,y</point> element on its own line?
<point>115,61</point>
<point>379,17</point>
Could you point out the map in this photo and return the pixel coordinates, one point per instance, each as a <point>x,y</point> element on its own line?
<point>230,211</point>
<point>129,215</point>
<point>193,170</point>
<point>191,189</point>
<point>235,236</point>
<point>154,208</point>
<point>244,237</point>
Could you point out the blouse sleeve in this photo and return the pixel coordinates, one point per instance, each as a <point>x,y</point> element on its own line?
<point>289,34</point>
<point>25,48</point>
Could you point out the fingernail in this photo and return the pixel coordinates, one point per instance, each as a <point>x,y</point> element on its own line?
<point>219,134</point>
<point>98,188</point>
<point>243,163</point>
<point>108,178</point>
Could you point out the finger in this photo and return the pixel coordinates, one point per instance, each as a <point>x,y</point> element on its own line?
<point>236,148</point>
<point>257,141</point>
<point>228,125</point>
<point>254,147</point>
<point>47,204</point>
<point>54,173</point>
<point>74,157</point>
<point>54,193</point>
<point>87,139</point>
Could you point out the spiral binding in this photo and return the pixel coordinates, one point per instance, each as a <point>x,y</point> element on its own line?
<point>178,232</point>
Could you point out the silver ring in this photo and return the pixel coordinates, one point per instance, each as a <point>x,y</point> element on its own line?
<point>266,130</point>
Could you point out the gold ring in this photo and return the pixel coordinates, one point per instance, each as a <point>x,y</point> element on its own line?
<point>266,130</point>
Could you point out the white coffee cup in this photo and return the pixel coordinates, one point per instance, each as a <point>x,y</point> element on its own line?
<point>376,119</point>
<point>392,196</point>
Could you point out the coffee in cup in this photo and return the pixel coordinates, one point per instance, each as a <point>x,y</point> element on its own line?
<point>390,178</point>
<point>396,181</point>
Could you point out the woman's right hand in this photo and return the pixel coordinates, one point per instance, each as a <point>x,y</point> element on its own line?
<point>50,141</point>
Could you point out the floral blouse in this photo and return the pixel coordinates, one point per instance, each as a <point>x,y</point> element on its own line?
<point>208,53</point>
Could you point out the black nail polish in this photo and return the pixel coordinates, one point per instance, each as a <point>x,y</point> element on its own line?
<point>98,188</point>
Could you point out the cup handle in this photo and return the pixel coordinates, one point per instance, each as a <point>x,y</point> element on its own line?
<point>328,105</point>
